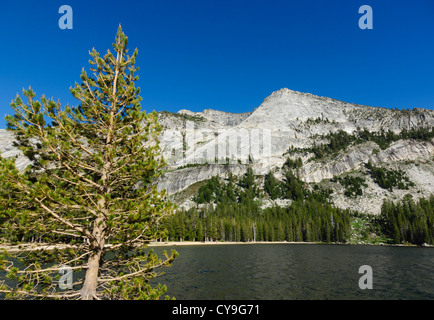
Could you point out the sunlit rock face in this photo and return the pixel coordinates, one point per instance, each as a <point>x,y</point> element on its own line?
<point>199,145</point>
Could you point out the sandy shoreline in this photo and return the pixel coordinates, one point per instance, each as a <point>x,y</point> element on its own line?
<point>207,243</point>
<point>36,246</point>
<point>33,247</point>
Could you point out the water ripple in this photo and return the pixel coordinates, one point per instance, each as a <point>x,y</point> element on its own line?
<point>307,272</point>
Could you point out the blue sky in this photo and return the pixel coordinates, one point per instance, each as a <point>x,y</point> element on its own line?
<point>227,54</point>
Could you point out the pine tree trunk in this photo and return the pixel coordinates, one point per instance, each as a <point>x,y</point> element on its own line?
<point>88,292</point>
<point>91,280</point>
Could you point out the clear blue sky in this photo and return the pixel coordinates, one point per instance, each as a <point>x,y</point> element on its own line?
<point>227,54</point>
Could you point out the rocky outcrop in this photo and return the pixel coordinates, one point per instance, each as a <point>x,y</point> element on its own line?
<point>226,119</point>
<point>403,150</point>
<point>8,150</point>
<point>178,180</point>
<point>318,171</point>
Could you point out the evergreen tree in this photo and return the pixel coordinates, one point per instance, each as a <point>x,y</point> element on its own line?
<point>272,186</point>
<point>89,186</point>
<point>408,220</point>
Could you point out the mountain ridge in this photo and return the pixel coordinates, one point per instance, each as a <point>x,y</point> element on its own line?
<point>289,125</point>
<point>300,120</point>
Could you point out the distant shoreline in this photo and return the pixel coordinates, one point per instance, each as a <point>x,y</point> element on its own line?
<point>33,246</point>
<point>208,243</point>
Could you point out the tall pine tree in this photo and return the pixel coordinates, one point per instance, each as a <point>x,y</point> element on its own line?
<point>89,186</point>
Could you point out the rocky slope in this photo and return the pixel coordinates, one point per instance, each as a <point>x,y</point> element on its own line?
<point>292,119</point>
<point>7,150</point>
<point>199,145</point>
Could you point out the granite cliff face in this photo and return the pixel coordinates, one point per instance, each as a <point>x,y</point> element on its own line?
<point>199,145</point>
<point>293,119</point>
<point>7,150</point>
<point>180,179</point>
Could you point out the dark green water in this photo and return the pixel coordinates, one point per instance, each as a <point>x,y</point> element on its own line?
<point>298,271</point>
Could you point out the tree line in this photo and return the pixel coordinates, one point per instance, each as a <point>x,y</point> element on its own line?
<point>408,220</point>
<point>304,220</point>
<point>309,221</point>
<point>231,211</point>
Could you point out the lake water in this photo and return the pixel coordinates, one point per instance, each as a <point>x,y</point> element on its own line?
<point>298,271</point>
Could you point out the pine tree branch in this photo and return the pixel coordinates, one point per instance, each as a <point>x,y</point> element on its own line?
<point>49,269</point>
<point>80,145</point>
<point>132,274</point>
<point>52,296</point>
<point>64,221</point>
